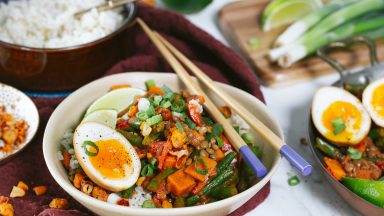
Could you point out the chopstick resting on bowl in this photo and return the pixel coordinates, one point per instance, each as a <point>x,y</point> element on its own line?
<point>249,157</point>
<point>293,157</point>
<point>109,5</point>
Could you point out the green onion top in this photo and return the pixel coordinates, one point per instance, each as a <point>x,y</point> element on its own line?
<point>156,100</point>
<point>154,119</point>
<point>219,141</point>
<point>355,154</point>
<point>148,204</point>
<point>179,105</point>
<point>147,170</point>
<point>179,127</point>
<point>151,111</point>
<point>201,171</point>
<point>165,104</point>
<point>293,181</point>
<point>142,116</point>
<point>190,123</point>
<point>338,125</point>
<point>88,145</point>
<point>150,83</point>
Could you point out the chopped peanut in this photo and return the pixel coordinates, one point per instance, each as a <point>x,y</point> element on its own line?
<point>149,156</point>
<point>17,192</point>
<point>58,203</point>
<point>3,199</point>
<point>40,190</point>
<point>99,193</point>
<point>66,159</point>
<point>166,204</point>
<point>77,180</point>
<point>86,187</point>
<point>6,209</point>
<point>22,185</point>
<point>140,181</point>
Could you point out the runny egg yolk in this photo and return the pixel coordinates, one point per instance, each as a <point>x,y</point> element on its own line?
<point>377,101</point>
<point>111,159</point>
<point>350,115</point>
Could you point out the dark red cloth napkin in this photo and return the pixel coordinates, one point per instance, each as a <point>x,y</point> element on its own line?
<point>217,60</point>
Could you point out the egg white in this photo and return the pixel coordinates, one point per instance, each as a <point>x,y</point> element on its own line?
<point>367,98</point>
<point>324,97</point>
<point>91,131</point>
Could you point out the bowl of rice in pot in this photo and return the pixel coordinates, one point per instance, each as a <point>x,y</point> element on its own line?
<point>44,47</point>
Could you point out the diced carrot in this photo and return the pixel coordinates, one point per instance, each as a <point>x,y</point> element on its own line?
<point>335,168</point>
<point>166,204</point>
<point>40,190</point>
<point>121,86</point>
<point>170,162</point>
<point>180,183</point>
<point>191,170</point>
<point>22,185</point>
<point>67,159</point>
<point>155,90</point>
<point>362,146</point>
<point>133,110</point>
<point>219,154</point>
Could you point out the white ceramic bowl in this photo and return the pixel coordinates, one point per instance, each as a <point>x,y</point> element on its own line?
<point>68,114</point>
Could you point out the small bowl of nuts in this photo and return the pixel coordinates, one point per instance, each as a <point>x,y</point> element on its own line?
<point>19,121</point>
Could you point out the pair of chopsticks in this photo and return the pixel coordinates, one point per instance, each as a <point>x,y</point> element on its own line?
<point>173,56</point>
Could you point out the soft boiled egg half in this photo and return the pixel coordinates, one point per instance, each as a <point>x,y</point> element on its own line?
<point>106,156</point>
<point>373,100</point>
<point>339,116</point>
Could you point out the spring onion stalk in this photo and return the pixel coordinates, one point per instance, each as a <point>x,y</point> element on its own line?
<point>347,30</point>
<point>298,28</point>
<point>337,18</point>
<point>374,34</point>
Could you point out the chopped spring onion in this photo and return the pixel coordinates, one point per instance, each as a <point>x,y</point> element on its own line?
<point>355,154</point>
<point>179,105</point>
<point>248,138</point>
<point>166,89</point>
<point>156,100</point>
<point>293,181</point>
<point>219,141</point>
<point>201,171</point>
<point>298,28</point>
<point>147,170</point>
<point>154,120</point>
<point>142,116</point>
<point>179,127</point>
<point>128,192</point>
<point>217,129</point>
<point>237,129</point>
<point>338,125</point>
<point>168,93</point>
<point>190,123</point>
<point>148,204</point>
<point>151,111</point>
<point>150,83</point>
<point>87,145</point>
<point>166,104</point>
<point>254,43</point>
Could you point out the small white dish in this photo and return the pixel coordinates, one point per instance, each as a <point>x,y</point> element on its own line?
<point>22,107</point>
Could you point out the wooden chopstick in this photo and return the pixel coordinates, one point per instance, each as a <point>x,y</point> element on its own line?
<point>296,160</point>
<point>254,163</point>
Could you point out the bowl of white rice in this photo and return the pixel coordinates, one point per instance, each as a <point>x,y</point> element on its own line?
<point>44,47</point>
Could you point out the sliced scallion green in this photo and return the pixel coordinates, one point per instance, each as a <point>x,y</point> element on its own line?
<point>179,105</point>
<point>154,120</point>
<point>219,141</point>
<point>201,171</point>
<point>142,116</point>
<point>156,100</point>
<point>151,111</point>
<point>338,125</point>
<point>88,145</point>
<point>190,123</point>
<point>147,170</point>
<point>166,104</point>
<point>150,83</point>
<point>148,204</point>
<point>293,181</point>
<point>247,137</point>
<point>355,154</point>
<point>179,127</point>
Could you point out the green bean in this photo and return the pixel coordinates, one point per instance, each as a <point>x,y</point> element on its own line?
<point>225,162</point>
<point>219,180</point>
<point>328,149</point>
<point>223,192</point>
<point>193,200</point>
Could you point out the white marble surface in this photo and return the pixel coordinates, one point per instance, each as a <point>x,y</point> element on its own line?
<point>313,196</point>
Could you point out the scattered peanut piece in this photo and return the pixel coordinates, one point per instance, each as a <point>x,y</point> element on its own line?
<point>17,192</point>
<point>77,180</point>
<point>40,190</point>
<point>22,185</point>
<point>3,199</point>
<point>86,187</point>
<point>58,203</point>
<point>99,193</point>
<point>6,209</point>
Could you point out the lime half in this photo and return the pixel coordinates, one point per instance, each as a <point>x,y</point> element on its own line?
<point>106,117</point>
<point>280,12</point>
<point>118,100</point>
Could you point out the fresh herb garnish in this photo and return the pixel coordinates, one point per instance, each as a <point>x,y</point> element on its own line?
<point>293,181</point>
<point>338,125</point>
<point>201,171</point>
<point>179,127</point>
<point>88,145</point>
<point>147,170</point>
<point>355,154</point>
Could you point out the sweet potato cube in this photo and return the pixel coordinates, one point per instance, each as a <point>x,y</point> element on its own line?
<point>180,183</point>
<point>191,170</point>
<point>170,162</point>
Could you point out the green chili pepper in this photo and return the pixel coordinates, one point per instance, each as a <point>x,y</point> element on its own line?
<point>193,200</point>
<point>225,162</point>
<point>148,204</point>
<point>92,145</point>
<point>218,180</point>
<point>328,149</point>
<point>178,105</point>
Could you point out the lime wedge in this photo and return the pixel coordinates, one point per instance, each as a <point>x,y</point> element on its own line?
<point>280,12</point>
<point>118,100</point>
<point>106,117</point>
<point>372,191</point>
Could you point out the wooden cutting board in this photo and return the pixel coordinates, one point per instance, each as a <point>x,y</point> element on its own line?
<point>240,21</point>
